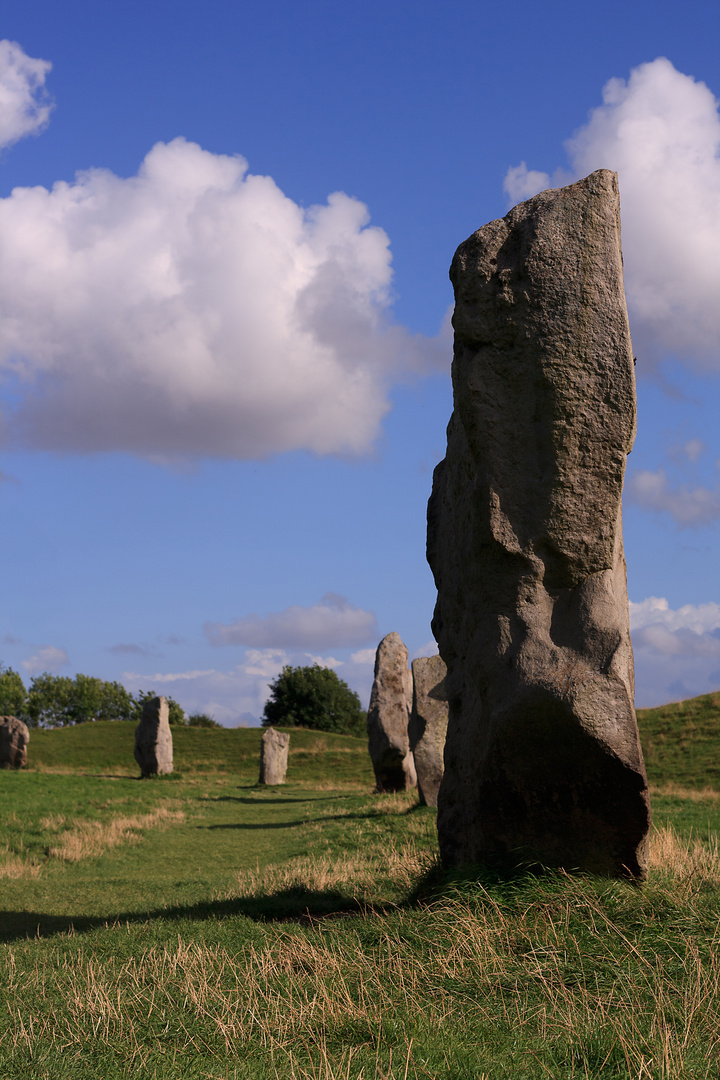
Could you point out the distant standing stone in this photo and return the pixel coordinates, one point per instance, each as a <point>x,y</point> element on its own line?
<point>14,737</point>
<point>153,739</point>
<point>274,756</point>
<point>542,761</point>
<point>388,716</point>
<point>428,725</point>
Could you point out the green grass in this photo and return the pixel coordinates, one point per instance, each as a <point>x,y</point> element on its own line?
<point>108,747</point>
<point>199,926</point>
<point>681,742</point>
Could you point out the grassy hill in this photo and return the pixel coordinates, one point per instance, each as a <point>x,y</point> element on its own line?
<point>681,742</point>
<point>108,747</point>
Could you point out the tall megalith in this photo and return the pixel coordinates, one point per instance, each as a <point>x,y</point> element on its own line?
<point>388,716</point>
<point>153,738</point>
<point>542,760</point>
<point>274,749</point>
<point>428,725</point>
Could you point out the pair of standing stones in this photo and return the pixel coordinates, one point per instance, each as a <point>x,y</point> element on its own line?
<point>407,721</point>
<point>542,762</point>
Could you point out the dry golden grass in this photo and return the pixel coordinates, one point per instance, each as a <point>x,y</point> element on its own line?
<point>84,839</point>
<point>52,822</point>
<point>88,839</point>
<point>355,875</point>
<point>17,866</point>
<point>706,794</point>
<point>692,863</point>
<point>319,746</point>
<point>72,770</point>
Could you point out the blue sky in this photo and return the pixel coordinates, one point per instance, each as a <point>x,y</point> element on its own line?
<point>224,347</point>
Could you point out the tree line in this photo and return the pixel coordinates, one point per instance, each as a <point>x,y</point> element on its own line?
<point>53,701</point>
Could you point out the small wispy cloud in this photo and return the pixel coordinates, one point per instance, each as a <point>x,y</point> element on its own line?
<point>690,507</point>
<point>430,648</point>
<point>24,104</point>
<point>48,658</point>
<point>691,451</point>
<point>364,656</point>
<point>333,622</point>
<point>130,650</point>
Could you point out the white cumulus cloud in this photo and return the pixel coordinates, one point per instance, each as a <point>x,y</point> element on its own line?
<point>364,656</point>
<point>677,651</point>
<point>334,621</point>
<point>660,131</point>
<point>655,611</point>
<point>24,104</point>
<point>194,309</point>
<point>430,648</point>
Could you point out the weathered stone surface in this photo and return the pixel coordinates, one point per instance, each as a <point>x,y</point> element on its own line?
<point>153,739</point>
<point>542,759</point>
<point>388,716</point>
<point>14,737</point>
<point>274,756</point>
<point>428,725</point>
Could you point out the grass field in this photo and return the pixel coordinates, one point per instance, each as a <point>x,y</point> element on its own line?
<point>199,926</point>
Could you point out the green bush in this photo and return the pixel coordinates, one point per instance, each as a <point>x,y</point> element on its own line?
<point>199,719</point>
<point>314,697</point>
<point>13,695</point>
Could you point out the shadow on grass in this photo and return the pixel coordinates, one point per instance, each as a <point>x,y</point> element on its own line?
<point>296,905</point>
<point>251,826</point>
<point>265,802</point>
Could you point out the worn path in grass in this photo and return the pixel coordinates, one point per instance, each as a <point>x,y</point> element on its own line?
<point>79,849</point>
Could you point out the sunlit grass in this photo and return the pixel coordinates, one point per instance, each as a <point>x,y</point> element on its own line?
<point>200,927</point>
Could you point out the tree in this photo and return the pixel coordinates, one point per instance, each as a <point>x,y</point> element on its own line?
<point>95,699</point>
<point>314,697</point>
<point>59,701</point>
<point>48,700</point>
<point>13,695</point>
<point>176,713</point>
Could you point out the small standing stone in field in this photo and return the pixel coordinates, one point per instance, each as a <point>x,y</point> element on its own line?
<point>428,725</point>
<point>153,739</point>
<point>388,716</point>
<point>14,737</point>
<point>542,760</point>
<point>274,756</point>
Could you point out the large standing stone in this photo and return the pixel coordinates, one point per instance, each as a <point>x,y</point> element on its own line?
<point>153,739</point>
<point>388,716</point>
<point>274,756</point>
<point>542,760</point>
<point>428,725</point>
<point>14,737</point>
